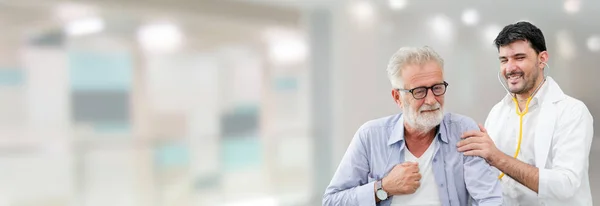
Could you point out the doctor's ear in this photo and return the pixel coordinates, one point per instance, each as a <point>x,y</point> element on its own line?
<point>543,59</point>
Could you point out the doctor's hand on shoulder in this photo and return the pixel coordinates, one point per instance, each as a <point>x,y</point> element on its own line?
<point>479,143</point>
<point>403,179</point>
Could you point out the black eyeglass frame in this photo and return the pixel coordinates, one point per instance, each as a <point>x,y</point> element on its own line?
<point>412,91</point>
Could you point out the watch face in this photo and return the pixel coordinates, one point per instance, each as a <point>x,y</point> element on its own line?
<point>382,195</point>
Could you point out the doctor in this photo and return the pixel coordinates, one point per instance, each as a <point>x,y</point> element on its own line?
<point>537,136</point>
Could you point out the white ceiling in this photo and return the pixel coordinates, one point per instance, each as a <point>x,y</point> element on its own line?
<point>211,20</point>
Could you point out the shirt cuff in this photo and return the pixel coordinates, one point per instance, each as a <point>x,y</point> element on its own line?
<point>366,194</point>
<point>544,177</point>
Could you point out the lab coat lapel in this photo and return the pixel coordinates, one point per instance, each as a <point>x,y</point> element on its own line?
<point>543,133</point>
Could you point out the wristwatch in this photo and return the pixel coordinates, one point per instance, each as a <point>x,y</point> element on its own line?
<point>380,193</point>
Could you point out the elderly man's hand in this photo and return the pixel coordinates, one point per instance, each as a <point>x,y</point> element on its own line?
<point>478,143</point>
<point>403,179</point>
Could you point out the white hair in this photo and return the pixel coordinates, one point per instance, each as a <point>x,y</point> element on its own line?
<point>409,56</point>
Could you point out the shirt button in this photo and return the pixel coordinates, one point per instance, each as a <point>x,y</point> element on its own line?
<point>434,160</point>
<point>441,185</point>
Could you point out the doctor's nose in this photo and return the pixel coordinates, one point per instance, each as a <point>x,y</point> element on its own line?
<point>510,67</point>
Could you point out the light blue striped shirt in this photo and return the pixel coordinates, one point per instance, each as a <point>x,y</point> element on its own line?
<point>378,146</point>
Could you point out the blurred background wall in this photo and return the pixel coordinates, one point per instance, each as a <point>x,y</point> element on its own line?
<point>245,102</point>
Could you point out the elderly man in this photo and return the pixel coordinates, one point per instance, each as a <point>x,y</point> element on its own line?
<point>543,135</point>
<point>411,158</point>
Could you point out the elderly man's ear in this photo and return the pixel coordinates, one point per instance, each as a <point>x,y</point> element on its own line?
<point>396,96</point>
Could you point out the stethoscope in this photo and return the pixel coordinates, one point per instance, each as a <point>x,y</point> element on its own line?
<point>521,113</point>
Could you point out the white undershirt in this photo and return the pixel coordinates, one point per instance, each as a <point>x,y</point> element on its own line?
<point>427,193</point>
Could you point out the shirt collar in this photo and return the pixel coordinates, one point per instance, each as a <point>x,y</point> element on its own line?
<point>398,131</point>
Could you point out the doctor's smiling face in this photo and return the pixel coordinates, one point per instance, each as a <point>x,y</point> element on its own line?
<point>521,67</point>
<point>522,54</point>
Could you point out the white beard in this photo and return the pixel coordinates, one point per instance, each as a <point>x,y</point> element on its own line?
<point>423,122</point>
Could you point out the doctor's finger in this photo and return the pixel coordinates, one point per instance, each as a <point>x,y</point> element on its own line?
<point>474,153</point>
<point>482,128</point>
<point>469,147</point>
<point>470,140</point>
<point>472,133</point>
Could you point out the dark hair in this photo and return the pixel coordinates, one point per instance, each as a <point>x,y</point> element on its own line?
<point>521,31</point>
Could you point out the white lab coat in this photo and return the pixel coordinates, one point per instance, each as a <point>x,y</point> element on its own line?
<point>563,138</point>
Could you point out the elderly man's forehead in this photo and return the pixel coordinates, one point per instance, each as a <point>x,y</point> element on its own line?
<point>416,68</point>
<point>422,75</point>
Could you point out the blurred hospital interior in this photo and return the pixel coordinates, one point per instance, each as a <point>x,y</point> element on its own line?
<point>239,102</point>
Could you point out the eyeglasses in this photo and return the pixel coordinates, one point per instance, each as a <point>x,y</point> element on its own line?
<point>421,92</point>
